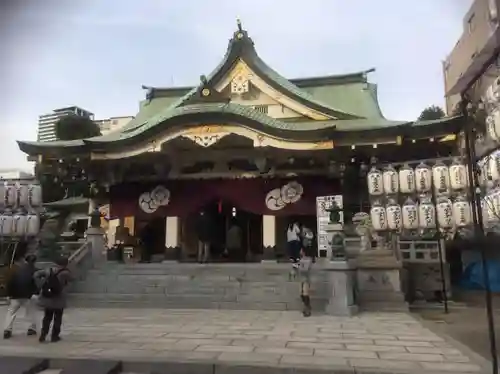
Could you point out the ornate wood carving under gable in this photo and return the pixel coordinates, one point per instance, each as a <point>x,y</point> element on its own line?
<point>206,140</point>
<point>205,136</point>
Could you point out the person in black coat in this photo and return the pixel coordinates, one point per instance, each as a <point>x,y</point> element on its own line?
<point>204,230</point>
<point>21,287</point>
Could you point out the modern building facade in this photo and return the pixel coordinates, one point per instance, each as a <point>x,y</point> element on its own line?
<point>47,122</point>
<point>15,174</point>
<point>479,40</point>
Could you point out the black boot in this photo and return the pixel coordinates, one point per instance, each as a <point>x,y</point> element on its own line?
<point>307,306</point>
<point>7,334</point>
<point>31,332</point>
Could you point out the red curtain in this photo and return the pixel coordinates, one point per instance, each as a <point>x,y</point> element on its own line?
<point>187,197</point>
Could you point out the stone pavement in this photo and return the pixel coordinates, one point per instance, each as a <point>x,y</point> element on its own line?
<point>466,325</point>
<point>389,342</point>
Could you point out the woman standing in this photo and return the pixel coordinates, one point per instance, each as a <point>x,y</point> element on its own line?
<point>307,259</point>
<point>293,246</point>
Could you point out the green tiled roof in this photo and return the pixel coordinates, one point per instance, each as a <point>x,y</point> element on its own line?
<point>236,109</point>
<point>359,98</point>
<point>348,97</point>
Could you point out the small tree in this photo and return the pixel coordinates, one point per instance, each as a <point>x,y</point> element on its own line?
<point>75,127</point>
<point>431,112</point>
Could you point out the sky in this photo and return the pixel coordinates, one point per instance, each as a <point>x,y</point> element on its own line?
<point>97,53</point>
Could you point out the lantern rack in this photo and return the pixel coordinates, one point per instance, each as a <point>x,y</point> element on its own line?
<point>20,209</point>
<point>420,161</point>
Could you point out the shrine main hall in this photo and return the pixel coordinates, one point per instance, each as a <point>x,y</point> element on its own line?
<point>245,146</point>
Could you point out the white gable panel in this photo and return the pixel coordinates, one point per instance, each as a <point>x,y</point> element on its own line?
<point>242,74</point>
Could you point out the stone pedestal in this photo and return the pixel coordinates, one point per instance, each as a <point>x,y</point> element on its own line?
<point>95,237</point>
<point>341,280</point>
<point>379,281</point>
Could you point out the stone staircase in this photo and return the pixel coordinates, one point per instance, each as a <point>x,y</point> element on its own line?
<point>253,286</point>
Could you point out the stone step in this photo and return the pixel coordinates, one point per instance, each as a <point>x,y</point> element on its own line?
<point>189,302</point>
<point>264,289</point>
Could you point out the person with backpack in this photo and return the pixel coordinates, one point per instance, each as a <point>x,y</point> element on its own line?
<point>21,288</point>
<point>53,297</point>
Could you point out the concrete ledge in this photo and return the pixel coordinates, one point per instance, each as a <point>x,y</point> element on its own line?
<point>25,365</point>
<point>22,365</point>
<point>86,366</point>
<point>190,367</point>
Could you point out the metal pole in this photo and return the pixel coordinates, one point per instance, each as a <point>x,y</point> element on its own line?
<point>443,280</point>
<point>479,230</point>
<point>440,250</point>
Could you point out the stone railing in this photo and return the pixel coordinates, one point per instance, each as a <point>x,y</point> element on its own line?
<point>80,262</point>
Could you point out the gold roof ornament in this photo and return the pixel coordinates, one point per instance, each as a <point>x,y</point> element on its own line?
<point>239,33</point>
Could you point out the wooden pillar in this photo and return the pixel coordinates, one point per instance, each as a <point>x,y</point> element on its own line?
<point>172,240</point>
<point>269,238</point>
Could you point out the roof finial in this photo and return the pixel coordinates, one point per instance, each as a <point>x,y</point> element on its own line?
<point>238,22</point>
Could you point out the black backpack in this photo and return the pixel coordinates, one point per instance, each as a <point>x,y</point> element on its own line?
<point>52,286</point>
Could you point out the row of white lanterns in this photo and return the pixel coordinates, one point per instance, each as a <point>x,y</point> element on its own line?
<point>20,194</point>
<point>413,216</point>
<point>19,224</point>
<point>419,180</point>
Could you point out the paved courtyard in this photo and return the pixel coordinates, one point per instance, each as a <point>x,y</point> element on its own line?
<point>392,342</point>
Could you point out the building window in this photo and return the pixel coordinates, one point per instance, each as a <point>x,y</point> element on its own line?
<point>471,23</point>
<point>261,108</point>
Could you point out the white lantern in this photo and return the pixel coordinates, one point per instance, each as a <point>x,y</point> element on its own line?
<point>427,214</point>
<point>458,175</point>
<point>378,217</point>
<point>406,179</point>
<point>445,213</point>
<point>20,224</point>
<point>462,212</point>
<point>33,225</point>
<point>441,177</point>
<point>11,194</point>
<point>494,166</point>
<point>492,202</point>
<point>485,170</point>
<point>394,219</point>
<point>6,224</point>
<point>375,182</point>
<point>410,215</point>
<point>23,194</point>
<point>391,180</point>
<point>35,195</point>
<point>485,212</point>
<point>423,178</point>
<point>493,125</point>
